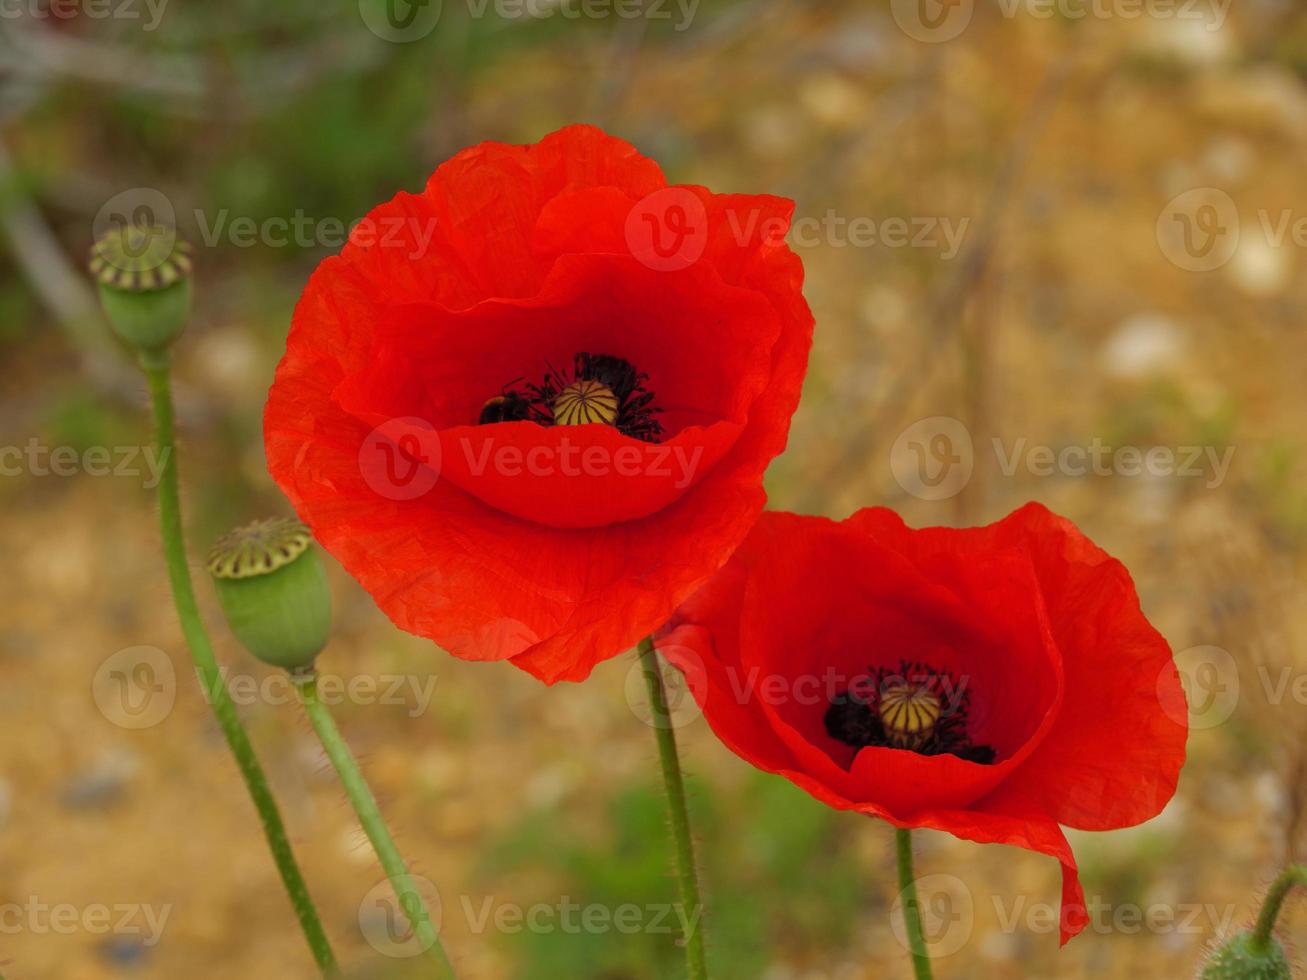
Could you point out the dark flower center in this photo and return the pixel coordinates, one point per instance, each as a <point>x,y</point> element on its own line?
<point>600,388</point>
<point>915,707</point>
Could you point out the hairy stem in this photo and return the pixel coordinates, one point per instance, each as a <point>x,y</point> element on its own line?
<point>911,906</point>
<point>686,871</point>
<point>365,805</point>
<point>156,367</point>
<point>1293,875</point>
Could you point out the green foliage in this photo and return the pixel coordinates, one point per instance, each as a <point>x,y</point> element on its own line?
<point>78,418</point>
<point>1279,484</point>
<point>779,874</point>
<point>17,311</point>
<point>1164,413</point>
<point>1122,863</point>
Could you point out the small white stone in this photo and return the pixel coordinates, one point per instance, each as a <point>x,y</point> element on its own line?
<point>1231,159</point>
<point>1144,344</point>
<point>1259,267</point>
<point>1000,947</point>
<point>1191,41</point>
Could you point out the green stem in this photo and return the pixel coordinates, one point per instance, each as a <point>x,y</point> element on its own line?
<point>365,805</point>
<point>156,369</point>
<point>1260,941</point>
<point>911,905</point>
<point>686,871</point>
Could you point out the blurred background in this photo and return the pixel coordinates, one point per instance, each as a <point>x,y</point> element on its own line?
<point>1055,249</point>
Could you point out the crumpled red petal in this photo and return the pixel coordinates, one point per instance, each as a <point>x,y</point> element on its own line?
<point>553,584</point>
<point>1121,679</point>
<point>750,621</point>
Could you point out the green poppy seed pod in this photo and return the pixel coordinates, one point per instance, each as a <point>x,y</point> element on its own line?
<point>1240,959</point>
<point>144,276</point>
<point>273,590</point>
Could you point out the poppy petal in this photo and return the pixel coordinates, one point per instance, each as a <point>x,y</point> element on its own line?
<point>1113,759</point>
<point>553,582</point>
<point>805,594</point>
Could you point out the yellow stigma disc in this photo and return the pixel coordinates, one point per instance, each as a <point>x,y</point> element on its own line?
<point>909,713</point>
<point>583,402</point>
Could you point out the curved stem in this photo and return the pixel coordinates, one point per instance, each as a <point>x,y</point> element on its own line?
<point>686,871</point>
<point>1295,874</point>
<point>911,906</point>
<point>365,805</point>
<point>156,369</point>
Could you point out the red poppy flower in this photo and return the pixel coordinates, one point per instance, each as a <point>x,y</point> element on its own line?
<point>992,682</point>
<point>530,408</point>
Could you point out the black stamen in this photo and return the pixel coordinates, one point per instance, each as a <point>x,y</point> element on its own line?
<point>526,401</point>
<point>854,716</point>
